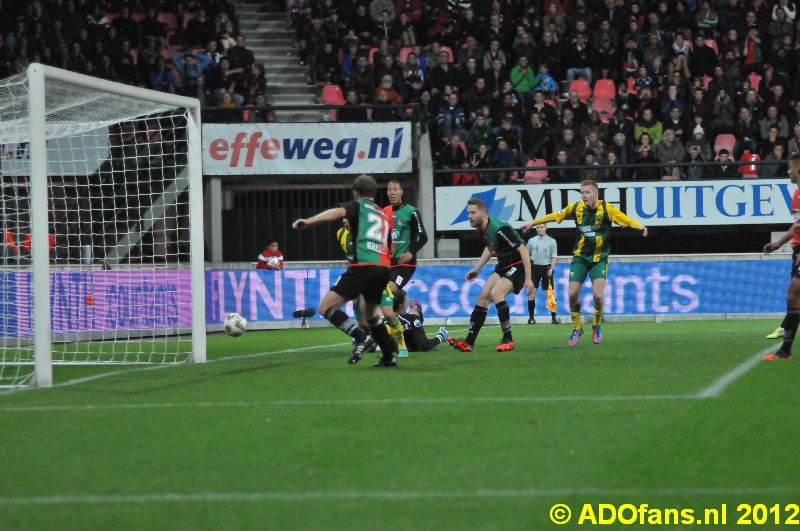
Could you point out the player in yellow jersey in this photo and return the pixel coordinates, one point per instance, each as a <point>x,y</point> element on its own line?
<point>593,218</point>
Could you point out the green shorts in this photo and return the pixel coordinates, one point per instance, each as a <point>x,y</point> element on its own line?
<point>580,267</point>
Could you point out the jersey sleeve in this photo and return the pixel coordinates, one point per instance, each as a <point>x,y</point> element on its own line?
<point>418,235</point>
<point>618,216</point>
<point>558,217</point>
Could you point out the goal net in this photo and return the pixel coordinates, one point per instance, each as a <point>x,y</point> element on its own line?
<point>101,213</point>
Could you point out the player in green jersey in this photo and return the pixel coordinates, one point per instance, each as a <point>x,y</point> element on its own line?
<point>368,272</point>
<point>593,218</point>
<point>513,271</point>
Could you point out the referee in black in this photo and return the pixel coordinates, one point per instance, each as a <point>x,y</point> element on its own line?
<point>543,251</point>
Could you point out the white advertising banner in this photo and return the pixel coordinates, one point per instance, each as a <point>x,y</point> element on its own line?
<point>80,154</point>
<point>298,148</point>
<point>669,203</point>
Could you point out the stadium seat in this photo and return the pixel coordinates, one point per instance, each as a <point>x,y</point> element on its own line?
<point>724,141</point>
<point>605,107</point>
<point>535,176</point>
<point>604,89</point>
<point>448,50</point>
<point>332,95</point>
<point>403,55</point>
<point>755,80</point>
<point>706,80</point>
<point>334,115</point>
<point>372,52</point>
<point>187,16</point>
<point>111,16</point>
<point>138,16</point>
<point>169,51</point>
<point>711,43</point>
<point>751,170</point>
<point>670,178</point>
<point>135,54</point>
<point>631,86</point>
<point>168,19</point>
<point>583,88</point>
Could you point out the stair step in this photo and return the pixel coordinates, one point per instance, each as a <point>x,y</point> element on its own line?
<point>291,99</point>
<point>291,88</point>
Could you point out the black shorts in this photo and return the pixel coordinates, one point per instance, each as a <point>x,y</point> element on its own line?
<point>539,274</point>
<point>401,274</point>
<point>369,281</point>
<point>795,268</point>
<point>515,273</point>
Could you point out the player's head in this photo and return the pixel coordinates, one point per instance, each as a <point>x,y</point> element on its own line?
<point>589,192</point>
<point>476,211</point>
<point>400,301</point>
<point>365,187</point>
<point>794,167</point>
<point>541,229</point>
<point>395,192</point>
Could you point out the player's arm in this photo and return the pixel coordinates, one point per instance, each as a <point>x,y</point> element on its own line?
<point>419,237</point>
<point>786,238</point>
<point>558,217</point>
<point>473,273</point>
<point>331,214</point>
<point>618,216</point>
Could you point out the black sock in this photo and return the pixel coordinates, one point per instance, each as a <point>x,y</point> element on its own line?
<point>504,314</point>
<point>531,307</point>
<point>790,323</point>
<point>476,321</point>
<point>340,320</point>
<point>382,337</point>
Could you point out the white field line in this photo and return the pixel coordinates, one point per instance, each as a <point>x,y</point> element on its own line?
<point>278,496</point>
<point>723,382</point>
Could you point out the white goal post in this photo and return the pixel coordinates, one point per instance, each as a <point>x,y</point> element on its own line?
<point>102,244</point>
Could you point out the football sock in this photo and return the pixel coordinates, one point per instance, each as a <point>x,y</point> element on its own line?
<point>380,334</point>
<point>598,316</point>
<point>531,307</point>
<point>396,330</point>
<point>504,314</point>
<point>575,313</point>
<point>553,315</point>
<point>476,321</point>
<point>340,320</point>
<point>790,323</point>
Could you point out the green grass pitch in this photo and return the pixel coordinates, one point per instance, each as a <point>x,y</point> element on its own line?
<point>277,431</point>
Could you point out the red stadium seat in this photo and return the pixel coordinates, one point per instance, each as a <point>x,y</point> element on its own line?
<point>138,16</point>
<point>751,170</point>
<point>605,107</point>
<point>631,86</point>
<point>583,88</point>
<point>332,95</point>
<point>724,141</point>
<point>111,16</point>
<point>372,52</point>
<point>187,16</point>
<point>448,50</point>
<point>706,81</point>
<point>535,176</point>
<point>711,43</point>
<point>403,55</point>
<point>670,178</point>
<point>755,80</point>
<point>135,54</point>
<point>604,89</point>
<point>168,19</point>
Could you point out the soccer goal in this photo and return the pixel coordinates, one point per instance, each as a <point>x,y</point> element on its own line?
<point>102,244</point>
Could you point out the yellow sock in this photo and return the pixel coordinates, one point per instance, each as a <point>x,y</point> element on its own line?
<point>576,320</point>
<point>598,317</point>
<point>396,331</point>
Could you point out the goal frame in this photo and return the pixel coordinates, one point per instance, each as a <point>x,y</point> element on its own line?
<point>37,75</point>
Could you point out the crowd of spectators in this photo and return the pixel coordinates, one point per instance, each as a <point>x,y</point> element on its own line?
<point>189,47</point>
<point>691,81</point>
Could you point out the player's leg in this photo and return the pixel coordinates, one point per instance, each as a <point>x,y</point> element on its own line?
<point>791,320</point>
<point>535,277</point>
<point>478,316</point>
<point>373,281</point>
<point>329,307</point>
<point>598,290</point>
<point>393,321</point>
<point>501,288</point>
<point>578,270</point>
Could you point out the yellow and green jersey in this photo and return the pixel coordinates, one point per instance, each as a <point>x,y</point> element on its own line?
<point>593,227</point>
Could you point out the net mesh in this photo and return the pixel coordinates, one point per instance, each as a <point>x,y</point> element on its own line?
<point>118,229</point>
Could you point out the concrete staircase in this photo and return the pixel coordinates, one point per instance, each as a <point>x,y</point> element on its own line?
<point>264,26</point>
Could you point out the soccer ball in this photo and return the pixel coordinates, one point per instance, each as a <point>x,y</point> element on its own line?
<point>235,325</point>
<point>273,261</point>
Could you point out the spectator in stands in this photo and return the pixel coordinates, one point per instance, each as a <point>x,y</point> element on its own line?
<point>482,160</point>
<point>579,109</point>
<point>362,80</point>
<point>494,52</point>
<point>766,146</point>
<point>643,79</point>
<point>752,50</point>
<point>578,60</point>
<point>556,174</point>
<point>453,154</point>
<point>470,50</point>
<point>570,146</point>
<point>509,131</point>
<point>153,29</point>
<point>328,67</point>
<point>190,67</point>
<point>605,60</point>
<point>671,100</point>
<point>476,97</point>
<point>223,79</point>
<point>364,27</point>
<point>544,108</point>
<point>502,157</point>
<point>353,112</point>
<point>622,150</point>
<point>271,251</point>
<point>384,113</point>
<point>774,163</point>
<point>545,83</point>
<point>725,171</point>
<point>161,78</point>
<point>386,87</point>
<point>496,77</point>
<point>696,170</point>
<point>200,29</point>
<point>451,118</point>
<point>593,144</point>
<point>648,124</point>
<point>223,26</point>
<point>510,107</point>
<point>794,142</point>
<point>523,46</point>
<point>776,119</point>
<point>261,113</point>
<point>747,133</point>
<point>699,139</point>
<point>389,67</point>
<point>240,56</point>
<point>631,57</point>
<point>481,133</point>
<point>554,16</point>
<point>310,44</point>
<point>594,125</point>
<point>536,137</point>
<point>444,73</point>
<point>670,151</point>
<point>523,79</point>
<point>567,121</point>
<point>625,99</point>
<point>468,72</point>
<point>414,77</point>
<point>465,177</point>
<point>646,164</point>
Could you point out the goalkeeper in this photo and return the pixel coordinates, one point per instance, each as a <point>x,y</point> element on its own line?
<point>593,218</point>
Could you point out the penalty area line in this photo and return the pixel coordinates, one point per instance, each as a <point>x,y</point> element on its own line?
<point>726,380</point>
